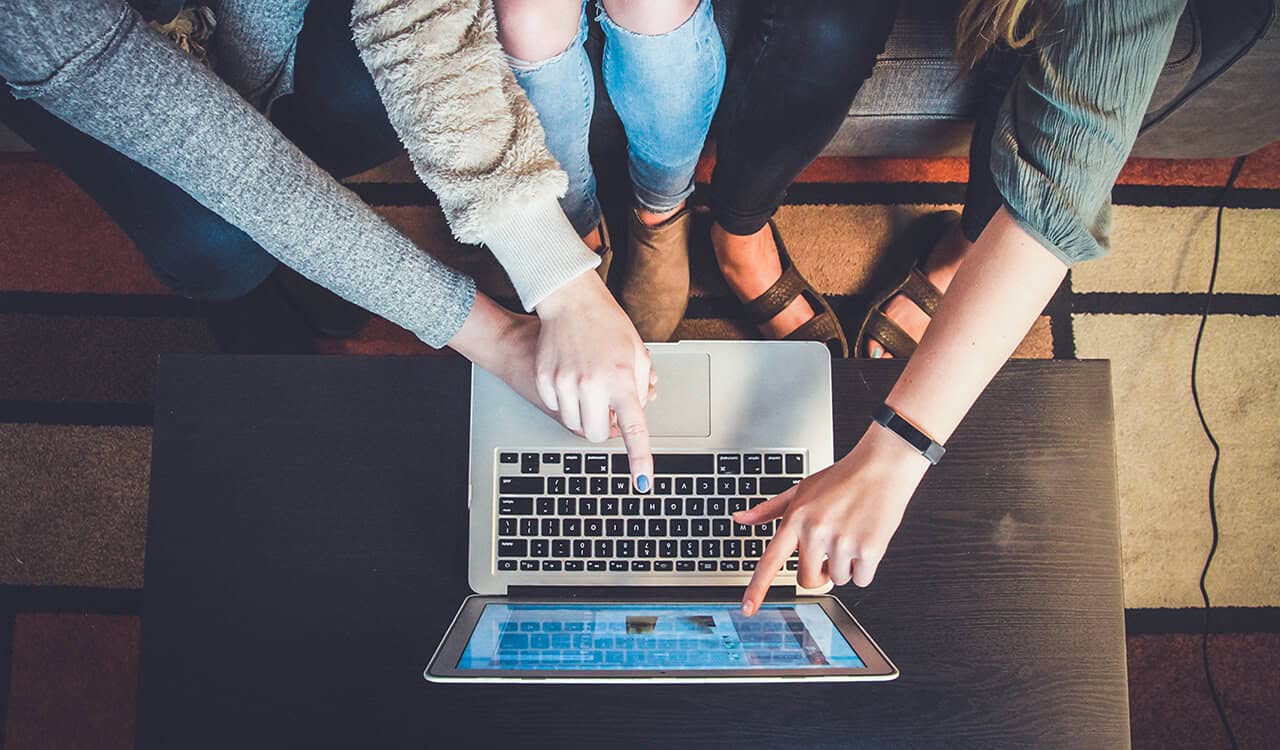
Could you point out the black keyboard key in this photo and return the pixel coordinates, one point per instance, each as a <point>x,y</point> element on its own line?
<point>662,486</point>
<point>587,506</point>
<point>753,547</point>
<point>604,548</point>
<point>729,463</point>
<point>551,527</point>
<point>657,527</point>
<point>685,566</point>
<point>663,566</point>
<point>597,463</point>
<point>595,565</point>
<point>574,566</point>
<point>694,506</point>
<point>626,548</point>
<point>726,486</point>
<point>529,463</point>
<point>737,504</point>
<point>795,463</point>
<point>748,564</point>
<point>679,527</point>
<point>506,527</point>
<point>647,548</point>
<point>506,565</point>
<point>613,527</point>
<point>513,547</point>
<point>773,463</point>
<point>621,464</point>
<point>608,506</point>
<point>572,463</point>
<point>635,527</point>
<point>716,506</point>
<point>733,548</point>
<point>793,565</point>
<point>528,565</point>
<point>539,548</point>
<point>599,485</point>
<point>652,506</point>
<point>515,506</point>
<point>776,485</point>
<point>641,566</point>
<point>572,527</point>
<point>684,486</point>
<point>560,548</point>
<point>551,565</point>
<point>689,548</point>
<point>752,463</point>
<point>707,566</point>
<point>667,548</point>
<point>764,529</point>
<point>551,458</point>
<point>567,506</point>
<point>683,463</point>
<point>581,548</point>
<point>592,527</point>
<point>506,457</point>
<point>620,485</point>
<point>741,529</point>
<point>705,485</point>
<point>710,547</point>
<point>546,506</point>
<point>753,502</point>
<point>556,485</point>
<point>617,566</point>
<point>630,506</point>
<point>747,486</point>
<point>521,486</point>
<point>701,527</point>
<point>528,527</point>
<point>720,527</point>
<point>577,485</point>
<point>672,506</point>
<point>729,565</point>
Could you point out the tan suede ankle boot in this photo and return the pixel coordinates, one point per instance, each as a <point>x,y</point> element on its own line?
<point>655,289</point>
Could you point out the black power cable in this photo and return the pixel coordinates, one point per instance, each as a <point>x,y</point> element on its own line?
<point>1217,453</point>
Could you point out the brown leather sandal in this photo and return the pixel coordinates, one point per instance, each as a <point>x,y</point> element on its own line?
<point>915,243</point>
<point>823,326</point>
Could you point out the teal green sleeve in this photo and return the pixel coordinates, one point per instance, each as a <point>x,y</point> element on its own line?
<point>1071,117</point>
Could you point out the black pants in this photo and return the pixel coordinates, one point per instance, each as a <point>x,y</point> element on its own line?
<point>794,73</point>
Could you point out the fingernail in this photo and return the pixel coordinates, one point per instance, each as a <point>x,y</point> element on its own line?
<point>642,483</point>
<point>876,353</point>
<point>747,608</point>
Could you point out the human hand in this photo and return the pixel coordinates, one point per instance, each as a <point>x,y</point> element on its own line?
<point>841,518</point>
<point>593,370</point>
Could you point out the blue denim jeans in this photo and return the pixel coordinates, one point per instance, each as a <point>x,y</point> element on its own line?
<point>665,88</point>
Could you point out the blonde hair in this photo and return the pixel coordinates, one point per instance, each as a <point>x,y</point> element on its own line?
<point>984,23</point>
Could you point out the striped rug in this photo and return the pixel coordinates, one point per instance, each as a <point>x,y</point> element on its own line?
<point>82,319</point>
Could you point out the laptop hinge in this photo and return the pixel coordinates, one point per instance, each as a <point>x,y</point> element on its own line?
<point>643,593</point>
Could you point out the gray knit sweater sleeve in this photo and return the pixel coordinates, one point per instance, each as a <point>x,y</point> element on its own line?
<point>97,66</point>
<point>1072,115</point>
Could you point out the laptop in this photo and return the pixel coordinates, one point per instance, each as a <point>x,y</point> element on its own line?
<point>579,578</point>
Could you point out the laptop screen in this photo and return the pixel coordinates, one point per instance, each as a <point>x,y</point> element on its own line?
<point>611,636</point>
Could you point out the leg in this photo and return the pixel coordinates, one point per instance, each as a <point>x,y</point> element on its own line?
<point>789,88</point>
<point>543,40</point>
<point>982,199</point>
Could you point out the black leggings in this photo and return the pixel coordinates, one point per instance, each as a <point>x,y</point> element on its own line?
<point>794,73</point>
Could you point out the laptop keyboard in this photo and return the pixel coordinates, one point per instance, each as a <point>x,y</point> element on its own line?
<point>577,512</point>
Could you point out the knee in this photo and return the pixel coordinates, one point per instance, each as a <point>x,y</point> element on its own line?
<point>206,258</point>
<point>650,17</point>
<point>534,31</point>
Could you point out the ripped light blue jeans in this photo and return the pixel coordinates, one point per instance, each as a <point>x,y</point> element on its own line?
<point>665,88</point>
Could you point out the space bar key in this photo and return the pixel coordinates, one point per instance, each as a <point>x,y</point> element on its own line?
<point>684,463</point>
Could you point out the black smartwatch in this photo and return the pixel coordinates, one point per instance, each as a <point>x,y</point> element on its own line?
<point>889,419</point>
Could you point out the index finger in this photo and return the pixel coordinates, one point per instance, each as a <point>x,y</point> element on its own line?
<point>779,549</point>
<point>634,429</point>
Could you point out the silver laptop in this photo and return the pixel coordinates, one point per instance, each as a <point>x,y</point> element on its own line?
<point>580,578</point>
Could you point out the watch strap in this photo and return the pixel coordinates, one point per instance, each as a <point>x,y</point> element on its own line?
<point>891,420</point>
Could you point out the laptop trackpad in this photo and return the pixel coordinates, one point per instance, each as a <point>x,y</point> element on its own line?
<point>683,406</point>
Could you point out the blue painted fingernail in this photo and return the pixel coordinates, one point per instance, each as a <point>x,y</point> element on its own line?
<point>642,483</point>
<point>876,353</point>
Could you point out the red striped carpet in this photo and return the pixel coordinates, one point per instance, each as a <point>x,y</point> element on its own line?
<point>81,320</point>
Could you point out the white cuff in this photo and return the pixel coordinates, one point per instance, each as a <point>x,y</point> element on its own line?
<point>540,251</point>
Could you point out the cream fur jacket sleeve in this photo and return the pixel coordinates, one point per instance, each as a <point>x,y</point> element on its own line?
<point>472,135</point>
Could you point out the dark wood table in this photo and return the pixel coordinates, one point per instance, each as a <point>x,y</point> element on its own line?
<point>307,550</point>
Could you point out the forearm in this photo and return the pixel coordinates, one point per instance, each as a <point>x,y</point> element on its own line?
<point>1000,289</point>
